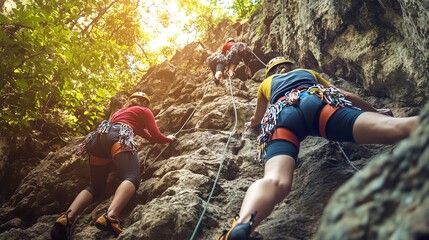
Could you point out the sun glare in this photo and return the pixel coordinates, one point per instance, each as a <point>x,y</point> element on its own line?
<point>174,28</point>
<point>152,8</point>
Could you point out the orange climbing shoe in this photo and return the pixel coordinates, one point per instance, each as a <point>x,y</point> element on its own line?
<point>106,223</point>
<point>62,227</point>
<point>239,231</point>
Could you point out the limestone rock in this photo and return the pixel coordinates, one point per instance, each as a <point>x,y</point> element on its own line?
<point>378,49</point>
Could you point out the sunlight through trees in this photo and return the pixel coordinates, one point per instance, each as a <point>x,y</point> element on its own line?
<point>61,61</point>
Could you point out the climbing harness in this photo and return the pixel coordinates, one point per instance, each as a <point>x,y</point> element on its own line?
<point>331,95</point>
<point>215,58</point>
<point>333,98</point>
<point>221,161</point>
<point>126,137</point>
<point>269,122</point>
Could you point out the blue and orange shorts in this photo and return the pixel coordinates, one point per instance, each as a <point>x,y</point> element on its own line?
<point>311,117</point>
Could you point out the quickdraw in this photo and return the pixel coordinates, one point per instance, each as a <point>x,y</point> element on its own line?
<point>269,121</point>
<point>126,136</point>
<point>330,95</point>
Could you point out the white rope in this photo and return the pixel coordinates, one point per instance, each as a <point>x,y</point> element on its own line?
<point>221,162</point>
<point>345,156</point>
<point>187,120</point>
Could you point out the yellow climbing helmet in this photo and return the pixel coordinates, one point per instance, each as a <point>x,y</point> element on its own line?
<point>230,39</point>
<point>140,95</point>
<point>274,62</point>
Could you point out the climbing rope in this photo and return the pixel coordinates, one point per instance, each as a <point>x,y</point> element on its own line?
<point>337,144</point>
<point>186,122</point>
<point>258,59</point>
<point>221,161</point>
<point>283,27</point>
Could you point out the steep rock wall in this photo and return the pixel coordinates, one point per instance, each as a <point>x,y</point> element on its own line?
<point>378,49</point>
<point>389,199</point>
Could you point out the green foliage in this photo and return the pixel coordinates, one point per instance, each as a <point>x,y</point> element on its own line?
<point>244,8</point>
<point>204,16</point>
<point>61,61</point>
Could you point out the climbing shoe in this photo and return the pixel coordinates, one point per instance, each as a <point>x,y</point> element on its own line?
<point>216,81</point>
<point>62,227</point>
<point>106,223</point>
<point>239,231</point>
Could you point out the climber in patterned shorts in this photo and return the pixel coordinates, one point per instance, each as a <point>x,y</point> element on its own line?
<point>110,145</point>
<point>234,52</point>
<point>216,63</point>
<point>303,104</point>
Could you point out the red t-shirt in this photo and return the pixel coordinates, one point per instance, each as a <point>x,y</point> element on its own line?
<point>227,47</point>
<point>140,119</point>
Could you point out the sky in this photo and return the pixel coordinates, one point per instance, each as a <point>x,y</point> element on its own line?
<point>174,28</point>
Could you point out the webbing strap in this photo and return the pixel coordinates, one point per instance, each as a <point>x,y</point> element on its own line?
<point>117,148</point>
<point>98,161</point>
<point>325,115</point>
<point>281,99</point>
<point>301,88</point>
<point>285,134</point>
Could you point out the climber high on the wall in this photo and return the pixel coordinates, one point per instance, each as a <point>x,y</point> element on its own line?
<point>303,104</point>
<point>216,63</point>
<point>110,145</point>
<point>234,52</point>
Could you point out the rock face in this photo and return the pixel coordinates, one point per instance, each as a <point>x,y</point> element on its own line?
<point>378,49</point>
<point>388,199</point>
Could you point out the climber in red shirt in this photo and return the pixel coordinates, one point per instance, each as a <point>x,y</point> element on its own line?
<point>230,42</point>
<point>112,144</point>
<point>234,52</point>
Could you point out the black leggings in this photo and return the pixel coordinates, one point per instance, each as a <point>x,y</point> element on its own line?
<point>126,163</point>
<point>216,67</point>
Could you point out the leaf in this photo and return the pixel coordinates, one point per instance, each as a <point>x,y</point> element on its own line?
<point>22,84</point>
<point>102,93</point>
<point>4,19</point>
